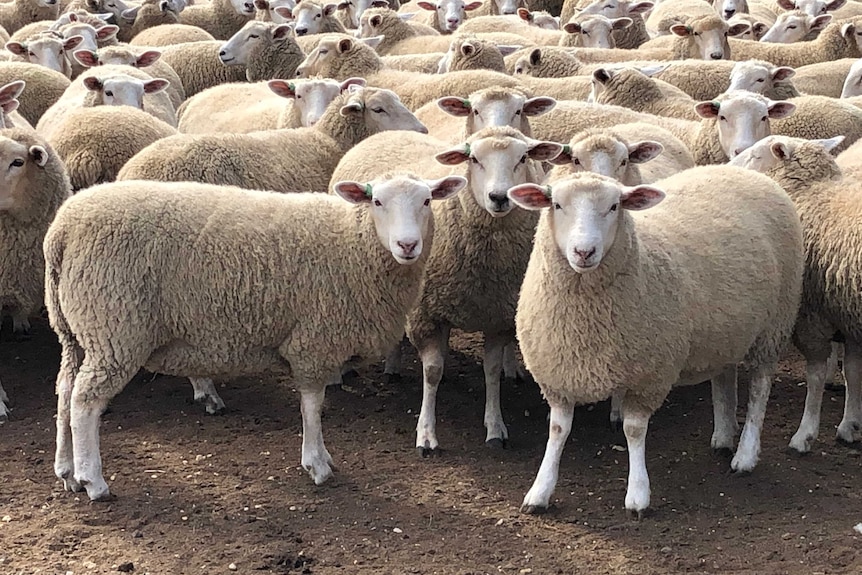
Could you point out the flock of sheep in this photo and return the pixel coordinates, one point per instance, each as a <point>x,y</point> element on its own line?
<point>636,194</point>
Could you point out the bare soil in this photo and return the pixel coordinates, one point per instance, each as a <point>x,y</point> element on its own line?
<point>198,494</point>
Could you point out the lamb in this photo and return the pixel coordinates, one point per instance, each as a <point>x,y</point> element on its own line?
<point>258,160</point>
<point>170,34</point>
<point>341,57</point>
<point>823,78</point>
<point>267,51</point>
<point>685,256</point>
<point>480,252</point>
<point>17,13</point>
<point>243,108</point>
<point>634,89</point>
<point>383,242</point>
<point>828,206</point>
<point>794,26</point>
<point>199,67</point>
<point>221,18</point>
<point>629,38</point>
<point>48,50</point>
<point>43,87</point>
<point>94,143</point>
<point>312,17</point>
<point>446,15</point>
<point>34,186</point>
<point>387,23</point>
<point>836,41</point>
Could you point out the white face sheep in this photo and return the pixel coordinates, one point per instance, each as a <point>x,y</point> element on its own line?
<point>606,154</point>
<point>308,16</point>
<point>812,7</point>
<point>743,119</point>
<point>758,76</point>
<point>355,9</point>
<point>539,19</point>
<point>123,90</point>
<point>495,107</point>
<point>594,31</point>
<point>237,50</point>
<point>728,8</point>
<point>853,83</point>
<point>710,43</point>
<point>269,7</point>
<point>793,26</point>
<point>312,97</point>
<point>450,13</point>
<point>769,152</point>
<point>92,36</point>
<point>49,50</point>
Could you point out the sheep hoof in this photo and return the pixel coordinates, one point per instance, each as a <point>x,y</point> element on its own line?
<point>496,443</point>
<point>636,514</point>
<point>741,472</point>
<point>426,452</point>
<point>533,509</point>
<point>722,451</point>
<point>391,378</point>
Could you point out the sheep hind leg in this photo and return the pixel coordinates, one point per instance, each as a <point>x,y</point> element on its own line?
<point>205,393</point>
<point>392,365</point>
<point>496,433</point>
<point>635,424</point>
<point>4,399</point>
<point>512,368</point>
<point>538,498</point>
<point>64,455</point>
<point>748,450</point>
<point>432,352</point>
<point>616,416</point>
<point>316,460</point>
<point>724,402</point>
<point>850,428</point>
<point>817,371</point>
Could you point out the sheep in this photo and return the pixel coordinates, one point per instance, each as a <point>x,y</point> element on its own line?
<point>169,34</point>
<point>243,108</point>
<point>446,15</point>
<point>774,82</point>
<point>387,23</point>
<point>350,11</point>
<point>823,78</point>
<point>341,57</point>
<point>675,12</point>
<point>17,13</point>
<point>539,19</point>
<point>793,26</point>
<point>49,50</point>
<point>43,87</point>
<point>258,160</point>
<point>34,186</point>
<point>94,143</point>
<point>544,62</point>
<point>637,153</point>
<point>852,86</point>
<point>828,206</point>
<point>421,63</point>
<point>499,8</point>
<point>727,9</point>
<point>629,38</point>
<point>756,28</point>
<point>818,117</point>
<point>634,89</point>
<point>471,53</point>
<point>686,257</point>
<point>836,41</point>
<point>266,10</point>
<point>593,31</point>
<point>312,17</point>
<point>480,252</point>
<point>221,18</point>
<point>386,239</point>
<point>149,14</point>
<point>267,51</point>
<point>137,58</point>
<point>199,67</point>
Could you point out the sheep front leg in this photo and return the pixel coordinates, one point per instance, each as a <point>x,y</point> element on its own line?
<point>315,458</point>
<point>616,417</point>
<point>539,496</point>
<point>432,352</point>
<point>205,392</point>
<point>496,433</point>
<point>635,424</point>
<point>512,368</point>
<point>850,428</point>
<point>64,456</point>
<point>816,373</point>
<point>392,365</point>
<point>748,450</point>
<point>724,402</point>
<point>4,411</point>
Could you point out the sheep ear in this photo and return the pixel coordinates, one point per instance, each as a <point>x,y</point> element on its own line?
<point>281,31</point>
<point>738,29</point>
<point>9,106</point>
<point>353,192</point>
<point>467,48</point>
<point>835,5</point>
<point>261,4</point>
<point>640,197</point>
<point>330,9</point>
<point>602,75</point>
<point>848,29</point>
<point>681,30</point>
<point>780,150</point>
<point>707,109</point>
<point>282,88</point>
<point>454,106</point>
<point>641,152</point>
<point>16,48</point>
<point>86,58</point>
<point>372,41</point>
<point>93,84</point>
<point>39,155</point>
<point>344,45</point>
<point>535,57</point>
<point>640,8</point>
<point>11,90</point>
<point>148,58</point>
<point>525,15</point>
<point>107,31</point>
<point>72,42</point>
<point>156,85</point>
<point>544,151</point>
<point>779,110</point>
<point>427,6</point>
<point>759,29</point>
<point>820,22</point>
<point>787,4</point>
<point>472,6</point>
<point>350,109</point>
<point>352,83</point>
<point>572,28</point>
<point>506,49</point>
<point>454,156</point>
<point>375,20</point>
<point>782,73</point>
<point>446,187</point>
<point>530,196</point>
<point>831,144</point>
<point>284,12</point>
<point>130,14</point>
<point>621,23</point>
<point>538,106</point>
<point>564,158</point>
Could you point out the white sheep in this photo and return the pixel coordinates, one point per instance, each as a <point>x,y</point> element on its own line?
<point>593,31</point>
<point>823,78</point>
<point>170,34</point>
<point>350,11</point>
<point>297,160</point>
<point>266,10</point>
<point>384,22</point>
<point>50,50</point>
<point>828,204</point>
<point>446,15</point>
<point>308,327</point>
<point>836,41</point>
<point>312,17</point>
<point>774,82</point>
<point>149,14</point>
<point>685,259</point>
<point>221,18</point>
<point>480,252</point>
<point>34,185</point>
<point>199,67</point>
<point>539,19</point>
<point>17,13</point>
<point>853,82</point>
<point>267,50</point>
<point>793,26</point>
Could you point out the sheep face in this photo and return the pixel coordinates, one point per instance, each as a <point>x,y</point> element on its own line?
<point>743,119</point>
<point>585,213</point>
<point>312,97</point>
<point>539,19</point>
<point>241,7</point>
<point>793,26</point>
<point>608,155</point>
<point>772,150</point>
<point>595,31</point>
<point>48,50</point>
<point>496,109</point>
<point>758,77</point>
<point>812,7</point>
<point>91,36</point>
<point>381,110</point>
<point>123,90</point>
<point>401,209</point>
<point>450,13</point>
<point>115,7</point>
<point>309,16</point>
<point>508,7</point>
<point>18,161</point>
<point>240,48</point>
<point>707,37</point>
<point>728,8</point>
<point>497,163</point>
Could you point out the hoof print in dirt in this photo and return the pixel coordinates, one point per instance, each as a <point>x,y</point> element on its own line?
<point>497,443</point>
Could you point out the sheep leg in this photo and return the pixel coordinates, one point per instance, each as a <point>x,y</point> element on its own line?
<point>496,433</point>
<point>749,442</point>
<point>616,417</point>
<point>205,392</point>
<point>512,368</point>
<point>724,402</point>
<point>392,366</point>
<point>850,428</point>
<point>635,424</point>
<point>539,496</point>
<point>64,456</point>
<point>432,353</point>
<point>817,371</point>
<point>315,458</point>
<point>836,364</point>
<point>86,414</point>
<point>4,411</point>
<point>20,322</point>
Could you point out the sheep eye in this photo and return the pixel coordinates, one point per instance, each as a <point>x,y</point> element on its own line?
<point>109,93</point>
<point>523,159</point>
<point>792,27</point>
<point>31,54</point>
<point>324,52</point>
<point>17,162</point>
<point>557,206</point>
<point>613,208</point>
<point>763,119</point>
<point>316,17</point>
<point>518,113</point>
<point>624,162</point>
<point>761,80</point>
<point>474,160</point>
<point>378,110</point>
<point>722,118</point>
<point>377,203</point>
<point>576,161</point>
<point>427,202</point>
<point>253,36</point>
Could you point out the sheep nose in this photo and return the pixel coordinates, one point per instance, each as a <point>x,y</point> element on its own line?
<point>301,31</point>
<point>249,6</point>
<point>508,12</point>
<point>729,13</point>
<point>738,151</point>
<point>584,255</point>
<point>407,247</point>
<point>500,201</point>
<point>716,55</point>
<point>222,53</point>
<point>453,21</point>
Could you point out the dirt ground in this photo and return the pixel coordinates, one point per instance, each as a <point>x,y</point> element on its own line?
<point>198,494</point>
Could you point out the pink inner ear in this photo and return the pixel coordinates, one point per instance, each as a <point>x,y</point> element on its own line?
<point>531,196</point>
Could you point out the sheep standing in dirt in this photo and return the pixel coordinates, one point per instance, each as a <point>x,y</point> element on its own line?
<point>34,185</point>
<point>172,318</point>
<point>698,297</point>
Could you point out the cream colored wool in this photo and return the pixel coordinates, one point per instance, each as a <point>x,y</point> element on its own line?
<point>43,87</point>
<point>170,34</point>
<point>819,117</point>
<point>18,13</point>
<point>835,42</point>
<point>152,13</point>
<point>630,88</point>
<point>198,66</point>
<point>823,78</point>
<point>629,38</point>
<point>217,17</point>
<point>385,22</point>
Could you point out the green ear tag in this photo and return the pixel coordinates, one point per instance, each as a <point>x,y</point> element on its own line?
<point>467,104</point>
<point>548,191</point>
<point>368,190</point>
<point>467,149</point>
<point>717,104</point>
<point>291,86</point>
<point>567,149</point>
